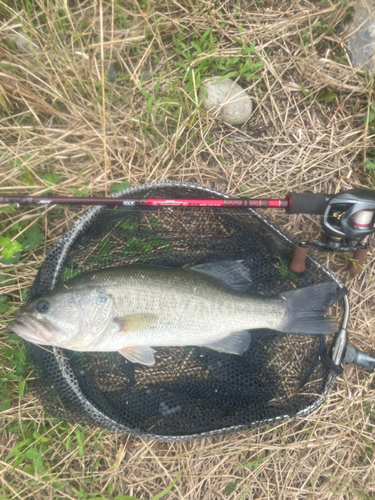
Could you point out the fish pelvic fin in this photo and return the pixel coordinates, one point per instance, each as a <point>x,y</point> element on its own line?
<point>139,354</point>
<point>135,322</point>
<point>306,309</point>
<point>235,343</point>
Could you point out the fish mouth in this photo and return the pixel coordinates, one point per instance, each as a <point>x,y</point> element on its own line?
<point>25,328</point>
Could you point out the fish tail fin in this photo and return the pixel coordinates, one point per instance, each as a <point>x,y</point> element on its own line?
<point>306,309</point>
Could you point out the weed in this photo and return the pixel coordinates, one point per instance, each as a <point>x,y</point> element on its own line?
<point>284,270</point>
<point>116,188</point>
<point>230,487</point>
<point>306,93</point>
<point>369,165</point>
<point>80,192</point>
<point>19,237</point>
<point>245,191</point>
<point>202,58</point>
<point>369,118</point>
<point>129,224</point>
<point>253,464</point>
<point>51,178</point>
<point>317,29</point>
<point>144,247</point>
<point>323,96</point>
<point>72,272</point>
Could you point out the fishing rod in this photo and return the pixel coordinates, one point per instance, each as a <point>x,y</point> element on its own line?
<point>149,202</point>
<point>347,218</point>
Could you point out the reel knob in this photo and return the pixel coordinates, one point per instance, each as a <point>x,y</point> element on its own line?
<point>360,256</point>
<point>299,257</point>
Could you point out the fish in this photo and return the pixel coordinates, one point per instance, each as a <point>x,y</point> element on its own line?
<point>132,309</point>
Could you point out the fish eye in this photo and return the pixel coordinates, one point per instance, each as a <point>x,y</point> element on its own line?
<point>42,306</point>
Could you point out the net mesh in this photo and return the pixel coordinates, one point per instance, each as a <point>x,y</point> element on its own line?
<point>190,391</point>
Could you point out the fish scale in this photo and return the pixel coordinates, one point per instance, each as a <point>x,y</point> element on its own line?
<point>190,308</point>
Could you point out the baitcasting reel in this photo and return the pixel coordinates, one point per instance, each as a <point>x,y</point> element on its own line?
<point>347,218</point>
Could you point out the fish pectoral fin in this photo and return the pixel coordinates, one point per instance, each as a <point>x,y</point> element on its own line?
<point>139,354</point>
<point>135,322</point>
<point>235,343</point>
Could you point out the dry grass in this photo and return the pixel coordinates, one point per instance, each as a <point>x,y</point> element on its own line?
<point>59,115</point>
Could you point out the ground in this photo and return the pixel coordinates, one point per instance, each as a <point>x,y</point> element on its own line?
<point>67,130</point>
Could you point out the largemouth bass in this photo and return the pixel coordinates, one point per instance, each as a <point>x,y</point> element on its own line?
<point>132,309</point>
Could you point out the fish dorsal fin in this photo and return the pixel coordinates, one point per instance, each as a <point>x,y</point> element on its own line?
<point>139,354</point>
<point>233,274</point>
<point>135,322</point>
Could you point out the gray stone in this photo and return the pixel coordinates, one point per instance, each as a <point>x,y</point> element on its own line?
<point>146,74</point>
<point>226,100</point>
<point>23,43</point>
<point>361,35</point>
<point>111,72</point>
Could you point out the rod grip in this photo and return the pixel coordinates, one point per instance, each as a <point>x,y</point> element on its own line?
<point>307,203</point>
<point>360,256</point>
<point>299,257</point>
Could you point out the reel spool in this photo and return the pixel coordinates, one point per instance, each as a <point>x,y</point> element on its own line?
<point>363,219</point>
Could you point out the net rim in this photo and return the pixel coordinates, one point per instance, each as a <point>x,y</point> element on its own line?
<point>64,245</point>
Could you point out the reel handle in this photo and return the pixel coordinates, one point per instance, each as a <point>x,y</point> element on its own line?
<point>300,253</point>
<point>360,256</point>
<point>299,257</point>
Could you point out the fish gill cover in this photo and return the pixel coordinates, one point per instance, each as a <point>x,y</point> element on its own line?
<point>190,391</point>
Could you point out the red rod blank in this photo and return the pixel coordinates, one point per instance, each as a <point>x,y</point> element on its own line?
<point>151,202</point>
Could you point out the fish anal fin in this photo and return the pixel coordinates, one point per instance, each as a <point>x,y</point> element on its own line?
<point>235,343</point>
<point>139,354</point>
<point>135,322</point>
